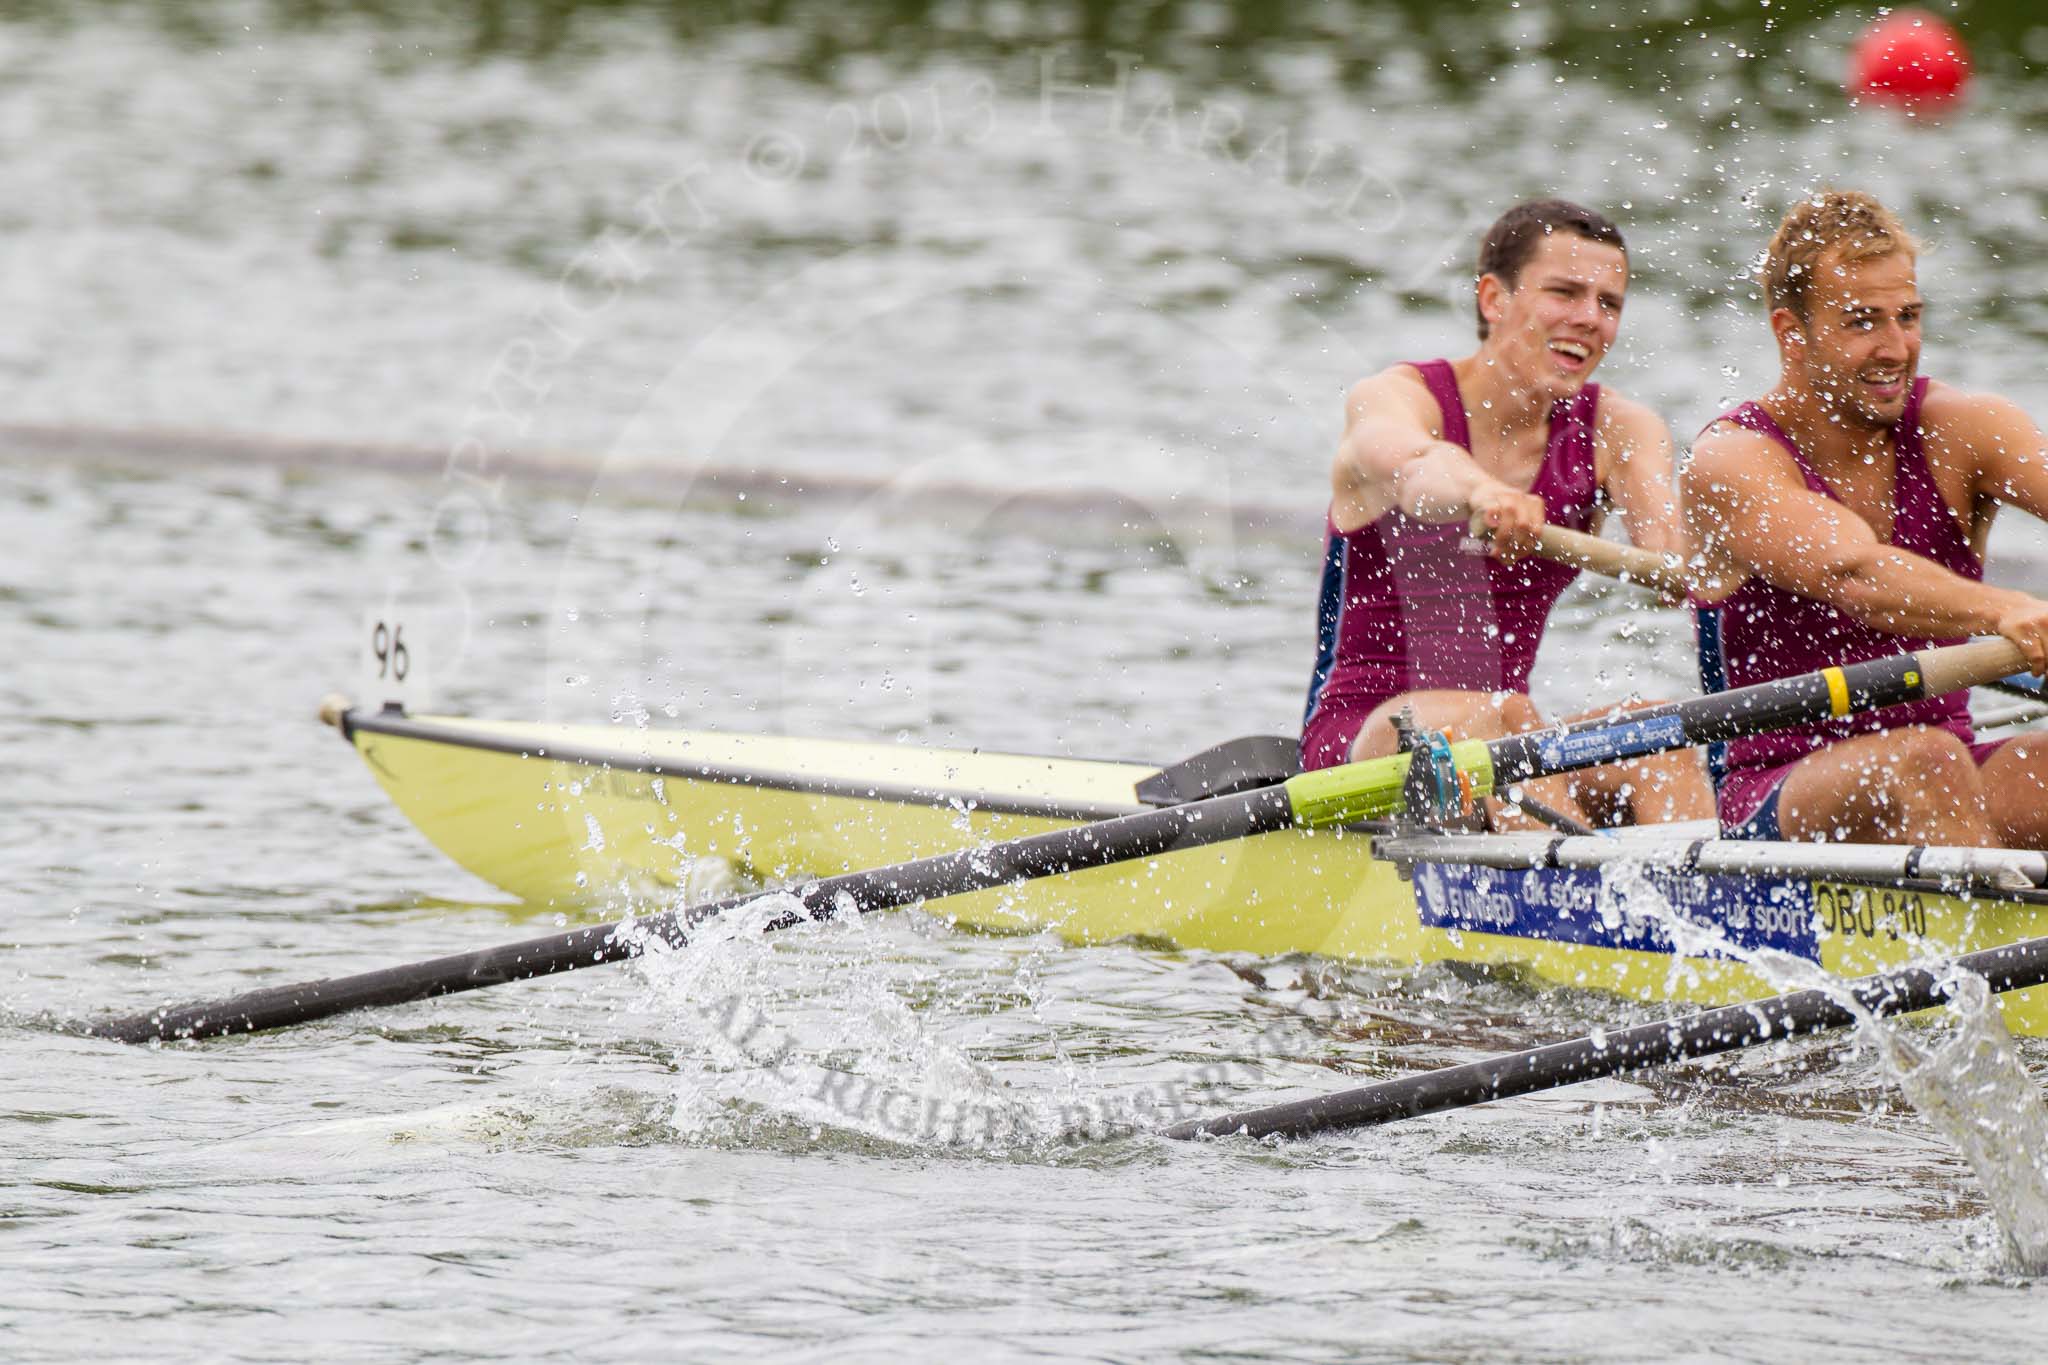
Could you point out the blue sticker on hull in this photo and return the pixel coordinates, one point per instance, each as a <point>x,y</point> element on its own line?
<point>1566,906</point>
<point>1612,742</point>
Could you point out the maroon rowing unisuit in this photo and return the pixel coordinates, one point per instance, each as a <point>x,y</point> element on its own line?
<point>1404,607</point>
<point>1763,632</point>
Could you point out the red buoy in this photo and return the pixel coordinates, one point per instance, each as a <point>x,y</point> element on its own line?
<point>1910,59</point>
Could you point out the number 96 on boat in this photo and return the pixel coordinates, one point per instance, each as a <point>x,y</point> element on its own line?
<point>390,668</point>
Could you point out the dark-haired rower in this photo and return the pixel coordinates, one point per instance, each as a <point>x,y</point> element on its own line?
<point>1499,442</point>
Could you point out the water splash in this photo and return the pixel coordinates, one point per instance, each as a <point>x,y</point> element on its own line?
<point>1971,1086</point>
<point>1966,1080</point>
<point>832,1032</point>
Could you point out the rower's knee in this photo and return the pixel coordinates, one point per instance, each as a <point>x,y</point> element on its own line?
<point>1920,785</point>
<point>1516,713</point>
<point>1498,715</point>
<point>1674,786</point>
<point>1462,715</point>
<point>2015,782</point>
<point>1923,761</point>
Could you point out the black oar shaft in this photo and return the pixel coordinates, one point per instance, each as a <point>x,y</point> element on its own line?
<point>1051,853</point>
<point>1799,700</point>
<point>2013,967</point>
<point>305,1001</point>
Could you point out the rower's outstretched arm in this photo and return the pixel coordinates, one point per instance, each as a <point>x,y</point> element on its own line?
<point>1635,472</point>
<point>1392,457</point>
<point>1751,513</point>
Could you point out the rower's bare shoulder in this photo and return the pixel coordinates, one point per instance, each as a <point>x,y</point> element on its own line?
<point>1397,390</point>
<point>1728,454</point>
<point>1949,415</point>
<point>1628,424</point>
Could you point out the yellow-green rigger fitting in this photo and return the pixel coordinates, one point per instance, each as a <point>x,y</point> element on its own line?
<point>1372,790</point>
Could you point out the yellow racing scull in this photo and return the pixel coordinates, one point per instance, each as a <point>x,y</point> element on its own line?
<point>594,818</point>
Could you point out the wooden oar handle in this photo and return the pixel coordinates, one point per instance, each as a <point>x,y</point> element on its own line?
<point>1662,573</point>
<point>1948,667</point>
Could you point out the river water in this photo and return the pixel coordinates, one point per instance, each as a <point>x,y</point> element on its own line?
<point>960,373</point>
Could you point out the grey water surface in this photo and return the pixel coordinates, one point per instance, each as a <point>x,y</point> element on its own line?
<point>951,374</point>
